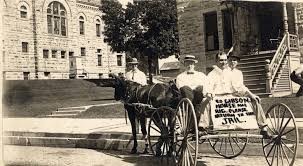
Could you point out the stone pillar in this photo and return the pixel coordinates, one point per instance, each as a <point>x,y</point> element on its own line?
<point>285,18</point>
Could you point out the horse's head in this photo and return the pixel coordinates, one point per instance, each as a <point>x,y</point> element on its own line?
<point>124,89</point>
<point>120,87</point>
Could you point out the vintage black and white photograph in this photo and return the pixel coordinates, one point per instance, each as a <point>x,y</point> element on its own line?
<point>151,82</point>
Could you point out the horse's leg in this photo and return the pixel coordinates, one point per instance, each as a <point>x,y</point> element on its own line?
<point>144,132</point>
<point>132,119</point>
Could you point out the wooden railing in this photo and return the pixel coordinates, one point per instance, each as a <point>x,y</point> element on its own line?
<point>272,66</point>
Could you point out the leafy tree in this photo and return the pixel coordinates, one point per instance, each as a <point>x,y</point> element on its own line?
<point>143,29</point>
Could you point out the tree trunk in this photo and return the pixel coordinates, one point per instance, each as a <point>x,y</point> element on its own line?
<point>150,69</point>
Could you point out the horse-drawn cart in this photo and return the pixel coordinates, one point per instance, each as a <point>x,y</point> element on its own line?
<point>173,134</point>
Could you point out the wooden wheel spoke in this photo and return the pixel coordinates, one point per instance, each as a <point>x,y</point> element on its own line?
<point>273,156</point>
<point>281,155</point>
<point>271,123</point>
<point>288,131</point>
<point>270,150</point>
<point>217,140</point>
<point>156,123</point>
<point>287,139</point>
<point>271,141</point>
<point>275,117</point>
<point>282,120</point>
<point>192,161</point>
<point>272,131</point>
<point>154,144</point>
<point>278,123</point>
<point>225,142</point>
<point>288,147</point>
<point>191,146</point>
<point>221,145</point>
<point>236,143</point>
<point>285,154</point>
<point>282,130</point>
<point>155,129</point>
<point>232,149</point>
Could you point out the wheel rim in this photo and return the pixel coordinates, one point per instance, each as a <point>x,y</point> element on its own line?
<point>186,134</point>
<point>229,147</point>
<point>160,133</point>
<point>281,148</point>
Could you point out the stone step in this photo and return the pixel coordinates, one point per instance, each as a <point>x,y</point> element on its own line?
<point>72,109</point>
<point>60,115</point>
<point>65,112</point>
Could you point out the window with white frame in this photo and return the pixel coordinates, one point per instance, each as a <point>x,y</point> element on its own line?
<point>56,19</point>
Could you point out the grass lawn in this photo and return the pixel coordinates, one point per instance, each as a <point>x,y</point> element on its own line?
<point>37,98</point>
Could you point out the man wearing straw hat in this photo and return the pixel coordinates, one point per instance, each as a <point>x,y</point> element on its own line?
<point>135,74</point>
<point>191,82</point>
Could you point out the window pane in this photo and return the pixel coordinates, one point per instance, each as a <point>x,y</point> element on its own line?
<point>98,30</point>
<point>63,27</point>
<point>23,7</point>
<point>54,53</point>
<point>24,47</point>
<point>49,10</point>
<point>82,51</point>
<point>81,27</point>
<point>119,60</point>
<point>62,54</point>
<point>23,14</point>
<point>56,25</point>
<point>45,53</point>
<point>99,60</point>
<point>49,24</point>
<point>56,7</point>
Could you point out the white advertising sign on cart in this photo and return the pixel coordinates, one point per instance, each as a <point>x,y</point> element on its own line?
<point>232,113</point>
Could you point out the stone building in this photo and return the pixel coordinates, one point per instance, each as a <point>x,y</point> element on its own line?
<point>264,34</point>
<point>56,39</point>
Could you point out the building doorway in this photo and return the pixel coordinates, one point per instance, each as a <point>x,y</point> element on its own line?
<point>270,16</point>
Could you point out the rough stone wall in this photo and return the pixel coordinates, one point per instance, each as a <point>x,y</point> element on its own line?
<point>18,30</point>
<point>192,31</point>
<point>299,7</point>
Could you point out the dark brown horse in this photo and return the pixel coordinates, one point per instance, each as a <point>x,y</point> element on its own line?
<point>155,95</point>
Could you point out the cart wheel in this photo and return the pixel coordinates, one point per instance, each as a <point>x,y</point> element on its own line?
<point>229,147</point>
<point>160,132</point>
<point>281,148</point>
<point>186,134</point>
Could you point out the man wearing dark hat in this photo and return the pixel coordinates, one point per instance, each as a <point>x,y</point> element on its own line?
<point>135,74</point>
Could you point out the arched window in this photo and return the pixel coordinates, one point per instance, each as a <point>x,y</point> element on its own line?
<point>81,25</point>
<point>23,11</point>
<point>56,19</point>
<point>98,27</point>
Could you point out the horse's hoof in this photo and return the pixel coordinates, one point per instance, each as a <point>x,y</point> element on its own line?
<point>133,151</point>
<point>145,151</point>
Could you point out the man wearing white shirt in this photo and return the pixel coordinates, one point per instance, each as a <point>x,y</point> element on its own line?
<point>191,82</point>
<point>241,90</point>
<point>135,74</point>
